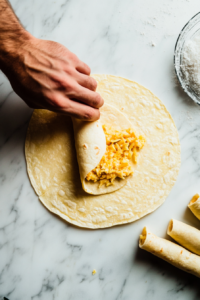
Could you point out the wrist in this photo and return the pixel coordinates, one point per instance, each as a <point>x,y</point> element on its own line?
<point>12,46</point>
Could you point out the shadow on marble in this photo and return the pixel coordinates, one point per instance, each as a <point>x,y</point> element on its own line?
<point>184,97</point>
<point>14,115</point>
<point>158,267</point>
<point>190,219</point>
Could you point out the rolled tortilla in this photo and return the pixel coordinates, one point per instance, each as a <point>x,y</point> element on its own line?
<point>90,145</point>
<point>187,236</point>
<point>170,252</point>
<point>194,206</point>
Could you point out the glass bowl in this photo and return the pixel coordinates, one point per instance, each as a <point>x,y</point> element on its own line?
<point>189,31</point>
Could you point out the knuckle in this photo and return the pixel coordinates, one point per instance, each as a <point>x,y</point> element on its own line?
<point>66,106</point>
<point>88,70</point>
<point>59,81</point>
<point>97,102</point>
<point>61,84</point>
<point>64,84</point>
<point>69,69</point>
<point>91,115</point>
<point>54,100</point>
<point>62,105</point>
<point>74,58</point>
<point>69,87</point>
<point>92,83</point>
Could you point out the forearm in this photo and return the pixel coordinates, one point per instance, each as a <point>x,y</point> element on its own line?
<point>12,34</point>
<point>45,74</point>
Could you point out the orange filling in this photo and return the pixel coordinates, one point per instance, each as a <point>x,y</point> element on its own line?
<point>121,148</point>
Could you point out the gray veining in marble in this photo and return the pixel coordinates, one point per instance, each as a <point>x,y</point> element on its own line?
<point>42,257</point>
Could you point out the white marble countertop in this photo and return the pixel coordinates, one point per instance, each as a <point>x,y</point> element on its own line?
<point>42,257</point>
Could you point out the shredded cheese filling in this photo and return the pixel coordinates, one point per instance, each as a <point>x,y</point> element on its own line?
<point>121,147</point>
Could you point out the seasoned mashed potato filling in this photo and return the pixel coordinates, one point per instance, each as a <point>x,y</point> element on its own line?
<point>121,147</point>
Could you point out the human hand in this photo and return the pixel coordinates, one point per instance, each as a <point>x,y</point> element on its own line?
<point>47,75</point>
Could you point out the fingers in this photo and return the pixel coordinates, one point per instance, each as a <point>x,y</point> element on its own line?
<point>76,110</point>
<point>87,96</point>
<point>83,68</point>
<point>87,82</point>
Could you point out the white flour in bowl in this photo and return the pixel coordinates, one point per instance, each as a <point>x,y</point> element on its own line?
<point>190,65</point>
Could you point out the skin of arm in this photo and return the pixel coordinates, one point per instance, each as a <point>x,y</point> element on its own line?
<point>45,74</point>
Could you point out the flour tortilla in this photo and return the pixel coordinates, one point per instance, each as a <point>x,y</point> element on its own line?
<point>90,144</point>
<point>185,235</point>
<point>170,252</point>
<point>53,169</point>
<point>194,206</point>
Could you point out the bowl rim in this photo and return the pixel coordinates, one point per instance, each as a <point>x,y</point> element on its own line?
<point>175,49</point>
